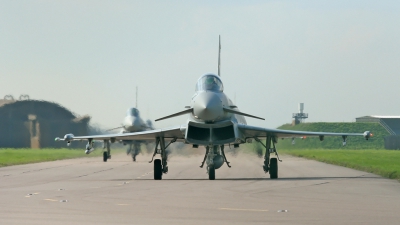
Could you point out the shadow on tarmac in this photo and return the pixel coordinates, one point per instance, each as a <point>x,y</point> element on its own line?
<point>257,178</point>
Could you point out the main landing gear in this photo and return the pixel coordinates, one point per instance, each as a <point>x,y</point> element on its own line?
<point>134,150</point>
<point>270,164</point>
<point>107,150</point>
<point>215,158</point>
<point>160,165</point>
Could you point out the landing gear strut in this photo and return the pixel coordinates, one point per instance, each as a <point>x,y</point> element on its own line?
<point>205,157</point>
<point>129,150</point>
<point>215,158</point>
<point>134,150</point>
<point>270,164</point>
<point>160,165</point>
<point>223,154</point>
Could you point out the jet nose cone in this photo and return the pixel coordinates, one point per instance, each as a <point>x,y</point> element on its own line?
<point>131,123</point>
<point>207,106</point>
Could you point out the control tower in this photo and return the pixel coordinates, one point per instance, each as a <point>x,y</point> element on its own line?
<point>300,116</point>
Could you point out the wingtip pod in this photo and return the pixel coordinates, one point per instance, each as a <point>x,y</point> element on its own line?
<point>67,137</point>
<point>367,135</point>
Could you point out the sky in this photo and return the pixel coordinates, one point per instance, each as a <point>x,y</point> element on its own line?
<point>340,58</point>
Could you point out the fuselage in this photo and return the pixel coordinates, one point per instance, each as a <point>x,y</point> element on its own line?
<point>209,123</point>
<point>209,101</point>
<point>133,122</point>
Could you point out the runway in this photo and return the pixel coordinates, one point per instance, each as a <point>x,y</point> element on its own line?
<point>89,191</point>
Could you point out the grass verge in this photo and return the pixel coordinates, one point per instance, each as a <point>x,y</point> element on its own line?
<point>12,156</point>
<point>381,162</point>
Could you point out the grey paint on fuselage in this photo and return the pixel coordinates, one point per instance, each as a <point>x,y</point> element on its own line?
<point>208,103</point>
<point>133,122</point>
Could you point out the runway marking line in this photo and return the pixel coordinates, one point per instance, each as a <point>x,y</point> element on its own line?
<point>51,200</point>
<point>248,210</point>
<point>29,195</point>
<point>122,204</point>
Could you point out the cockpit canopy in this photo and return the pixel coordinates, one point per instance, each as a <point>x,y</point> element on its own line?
<point>132,112</point>
<point>209,82</point>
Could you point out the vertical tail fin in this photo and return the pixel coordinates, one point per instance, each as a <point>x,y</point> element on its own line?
<point>136,97</point>
<point>219,56</point>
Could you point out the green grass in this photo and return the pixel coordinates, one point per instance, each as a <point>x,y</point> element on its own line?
<point>385,163</point>
<point>11,156</point>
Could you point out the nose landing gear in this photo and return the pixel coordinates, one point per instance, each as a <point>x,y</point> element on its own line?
<point>215,158</point>
<point>211,172</point>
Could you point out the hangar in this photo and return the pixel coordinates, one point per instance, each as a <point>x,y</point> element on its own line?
<point>34,124</point>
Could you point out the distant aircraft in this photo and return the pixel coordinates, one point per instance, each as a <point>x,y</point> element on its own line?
<point>134,123</point>
<point>131,123</point>
<point>214,122</point>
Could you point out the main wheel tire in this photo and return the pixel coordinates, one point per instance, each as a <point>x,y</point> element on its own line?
<point>157,169</point>
<point>105,156</point>
<point>211,173</point>
<point>273,168</point>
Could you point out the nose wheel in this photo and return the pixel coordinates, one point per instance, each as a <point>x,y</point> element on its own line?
<point>211,173</point>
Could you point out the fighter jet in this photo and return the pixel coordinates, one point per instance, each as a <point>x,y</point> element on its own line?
<point>214,122</point>
<point>134,123</point>
<point>131,123</point>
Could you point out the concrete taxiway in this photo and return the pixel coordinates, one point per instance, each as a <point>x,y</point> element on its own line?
<point>89,191</point>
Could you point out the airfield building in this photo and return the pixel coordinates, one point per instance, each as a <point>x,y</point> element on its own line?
<point>35,124</point>
<point>392,126</point>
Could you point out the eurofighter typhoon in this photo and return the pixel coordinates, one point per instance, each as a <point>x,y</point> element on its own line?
<point>214,122</point>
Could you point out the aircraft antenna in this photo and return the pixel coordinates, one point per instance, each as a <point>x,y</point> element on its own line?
<point>219,56</point>
<point>136,96</point>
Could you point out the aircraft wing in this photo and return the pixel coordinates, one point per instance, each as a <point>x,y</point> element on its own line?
<point>260,132</point>
<point>177,132</point>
